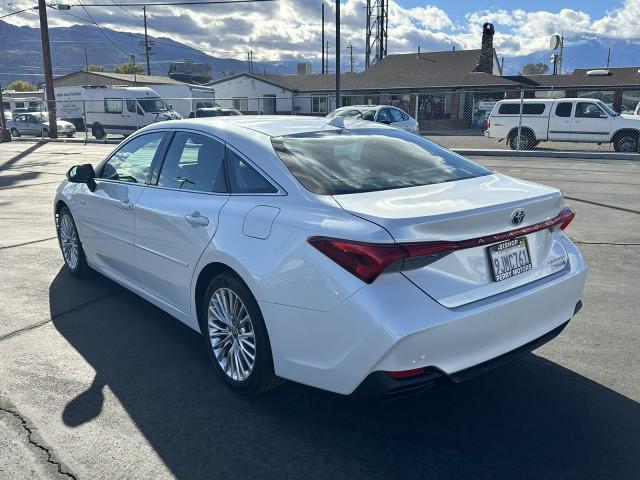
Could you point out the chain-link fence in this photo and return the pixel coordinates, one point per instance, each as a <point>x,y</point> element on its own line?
<point>566,120</point>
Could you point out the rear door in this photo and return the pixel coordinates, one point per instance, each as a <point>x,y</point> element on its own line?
<point>590,123</point>
<point>177,218</point>
<point>560,121</point>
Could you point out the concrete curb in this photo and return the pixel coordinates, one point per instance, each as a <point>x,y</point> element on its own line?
<point>547,154</point>
<point>484,152</point>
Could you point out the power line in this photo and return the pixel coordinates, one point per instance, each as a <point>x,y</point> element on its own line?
<point>19,11</point>
<point>103,32</point>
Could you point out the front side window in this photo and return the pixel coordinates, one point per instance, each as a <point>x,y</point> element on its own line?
<point>194,162</point>
<point>383,116</point>
<point>243,178</point>
<point>588,110</point>
<point>319,104</point>
<point>112,105</point>
<point>153,105</point>
<point>343,162</point>
<point>132,162</point>
<point>564,109</point>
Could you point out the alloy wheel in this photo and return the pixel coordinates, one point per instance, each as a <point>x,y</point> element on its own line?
<point>69,241</point>
<point>231,334</point>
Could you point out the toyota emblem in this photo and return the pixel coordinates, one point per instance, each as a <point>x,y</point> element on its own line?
<point>517,216</point>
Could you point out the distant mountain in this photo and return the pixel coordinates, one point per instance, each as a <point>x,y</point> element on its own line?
<point>584,52</point>
<point>21,56</point>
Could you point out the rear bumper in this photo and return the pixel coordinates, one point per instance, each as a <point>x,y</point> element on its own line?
<point>380,386</point>
<point>392,326</point>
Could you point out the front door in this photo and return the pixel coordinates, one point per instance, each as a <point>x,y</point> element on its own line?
<point>269,104</point>
<point>591,123</point>
<point>177,219</point>
<point>107,215</point>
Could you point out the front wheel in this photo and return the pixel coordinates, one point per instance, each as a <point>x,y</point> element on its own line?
<point>70,244</point>
<point>627,143</point>
<point>98,132</point>
<point>235,336</point>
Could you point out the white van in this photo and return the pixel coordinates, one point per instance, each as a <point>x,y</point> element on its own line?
<point>111,109</point>
<point>585,120</point>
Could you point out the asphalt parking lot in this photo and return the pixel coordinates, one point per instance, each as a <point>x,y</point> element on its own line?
<point>96,383</point>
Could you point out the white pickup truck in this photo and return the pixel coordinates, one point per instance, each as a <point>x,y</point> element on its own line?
<point>585,120</point>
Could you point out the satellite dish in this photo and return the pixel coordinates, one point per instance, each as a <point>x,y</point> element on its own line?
<point>554,42</point>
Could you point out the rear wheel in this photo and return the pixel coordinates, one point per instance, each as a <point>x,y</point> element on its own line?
<point>235,336</point>
<point>527,140</point>
<point>70,244</point>
<point>15,132</point>
<point>45,132</point>
<point>627,143</point>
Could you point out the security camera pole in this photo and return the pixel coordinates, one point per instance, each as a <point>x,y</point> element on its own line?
<point>338,54</point>
<point>48,69</point>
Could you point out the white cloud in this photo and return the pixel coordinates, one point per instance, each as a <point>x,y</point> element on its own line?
<point>291,28</point>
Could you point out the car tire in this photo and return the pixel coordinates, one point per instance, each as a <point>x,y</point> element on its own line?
<point>15,132</point>
<point>232,335</point>
<point>527,141</point>
<point>98,132</point>
<point>70,135</point>
<point>70,244</point>
<point>626,143</point>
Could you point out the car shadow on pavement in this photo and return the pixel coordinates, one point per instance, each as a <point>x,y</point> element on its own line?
<point>530,419</point>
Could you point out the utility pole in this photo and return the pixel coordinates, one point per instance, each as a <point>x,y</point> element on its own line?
<point>86,60</point>
<point>338,54</point>
<point>133,63</point>
<point>609,57</point>
<point>322,43</point>
<point>350,47</point>
<point>48,69</point>
<point>326,59</point>
<point>146,40</point>
<point>249,62</point>
<point>3,122</point>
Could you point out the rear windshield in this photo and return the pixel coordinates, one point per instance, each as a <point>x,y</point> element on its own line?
<point>341,162</point>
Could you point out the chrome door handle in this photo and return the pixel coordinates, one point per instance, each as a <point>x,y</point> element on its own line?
<point>196,219</point>
<point>126,205</point>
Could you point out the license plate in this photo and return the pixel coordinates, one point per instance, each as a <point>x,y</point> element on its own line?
<point>510,258</point>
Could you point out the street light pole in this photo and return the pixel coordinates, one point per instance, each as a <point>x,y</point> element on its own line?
<point>48,69</point>
<point>338,54</point>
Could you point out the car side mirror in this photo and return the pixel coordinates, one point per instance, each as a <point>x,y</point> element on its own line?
<point>83,174</point>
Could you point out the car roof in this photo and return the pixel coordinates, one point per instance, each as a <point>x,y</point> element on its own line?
<point>271,125</point>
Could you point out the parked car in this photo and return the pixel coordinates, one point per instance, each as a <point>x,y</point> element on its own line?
<point>637,112</point>
<point>214,112</point>
<point>585,120</point>
<point>379,113</point>
<point>301,252</point>
<point>37,123</point>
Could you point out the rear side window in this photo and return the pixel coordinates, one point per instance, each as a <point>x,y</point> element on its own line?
<point>342,162</point>
<point>243,178</point>
<point>564,109</point>
<point>194,162</point>
<point>527,109</point>
<point>112,105</point>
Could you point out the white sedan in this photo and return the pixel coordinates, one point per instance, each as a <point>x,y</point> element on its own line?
<point>379,113</point>
<point>345,255</point>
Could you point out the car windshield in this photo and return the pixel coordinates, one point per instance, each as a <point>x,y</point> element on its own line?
<point>608,109</point>
<point>153,105</point>
<point>342,162</point>
<point>363,114</point>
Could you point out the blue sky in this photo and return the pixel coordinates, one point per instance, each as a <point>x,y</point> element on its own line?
<point>458,8</point>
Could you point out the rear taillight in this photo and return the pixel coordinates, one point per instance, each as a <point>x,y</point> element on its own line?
<point>416,372</point>
<point>368,260</point>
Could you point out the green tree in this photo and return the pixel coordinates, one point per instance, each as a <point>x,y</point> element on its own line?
<point>534,69</point>
<point>95,68</point>
<point>128,68</point>
<point>22,86</point>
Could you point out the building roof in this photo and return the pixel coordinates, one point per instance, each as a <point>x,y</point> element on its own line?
<point>450,69</point>
<point>626,76</point>
<point>120,77</point>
